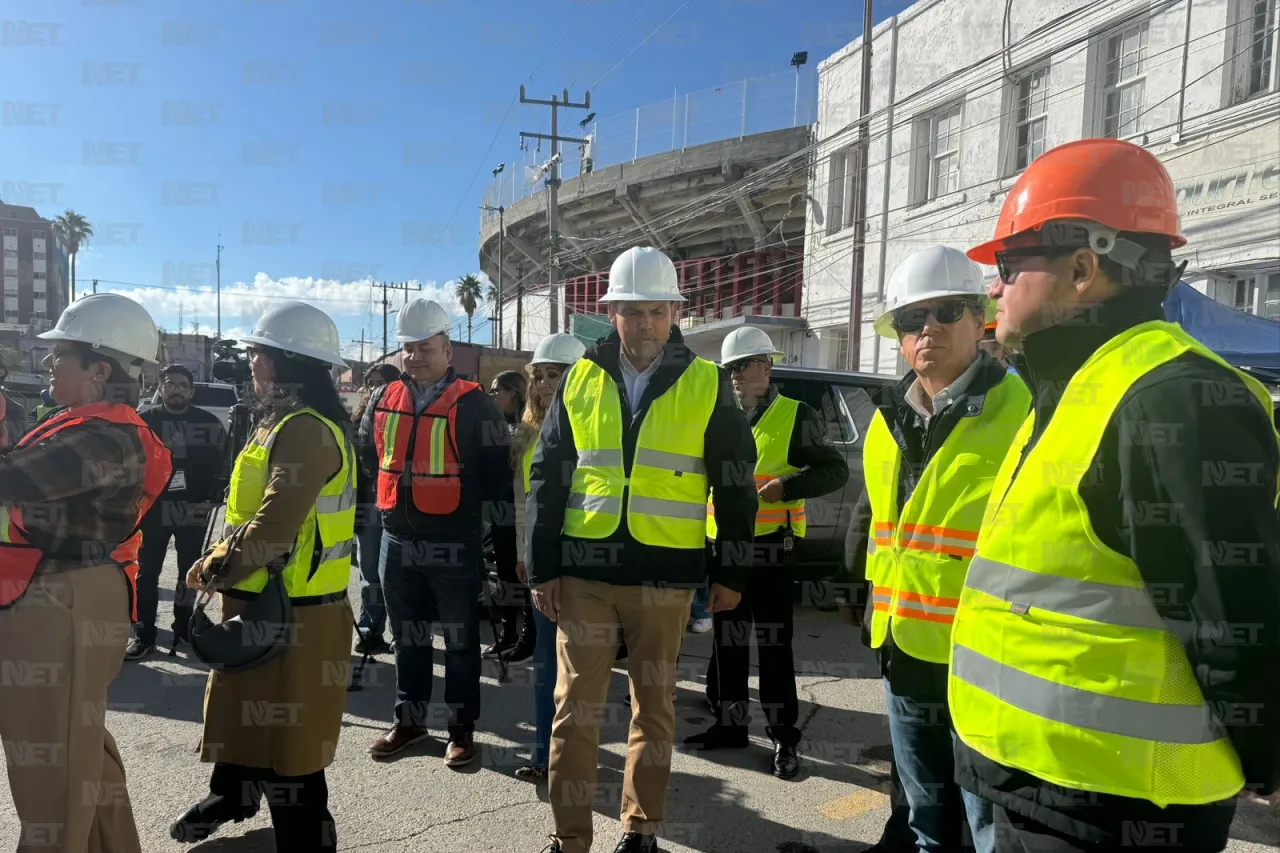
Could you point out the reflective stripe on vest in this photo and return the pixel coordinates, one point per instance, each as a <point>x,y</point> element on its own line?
<point>772,434</point>
<point>425,442</point>
<point>666,489</point>
<point>320,562</point>
<point>1062,666</point>
<point>916,560</point>
<point>19,559</point>
<point>526,464</point>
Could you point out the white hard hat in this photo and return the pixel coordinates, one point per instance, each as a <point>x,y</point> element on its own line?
<point>560,348</point>
<point>420,319</point>
<point>746,342</point>
<point>643,274</point>
<point>114,324</point>
<point>298,328</point>
<point>931,273</point>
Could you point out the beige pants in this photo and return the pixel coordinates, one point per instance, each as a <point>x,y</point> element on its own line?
<point>593,617</point>
<point>60,646</point>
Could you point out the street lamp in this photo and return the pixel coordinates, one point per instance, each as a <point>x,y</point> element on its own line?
<point>798,58</point>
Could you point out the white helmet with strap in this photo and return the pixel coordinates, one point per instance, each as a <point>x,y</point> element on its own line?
<point>747,342</point>
<point>560,348</point>
<point>932,273</point>
<point>115,325</point>
<point>298,328</point>
<point>643,274</point>
<point>420,319</point>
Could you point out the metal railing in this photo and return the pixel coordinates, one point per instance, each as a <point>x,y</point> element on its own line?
<point>734,110</point>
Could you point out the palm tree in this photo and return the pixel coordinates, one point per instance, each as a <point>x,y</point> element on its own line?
<point>468,291</point>
<point>494,295</point>
<point>73,229</point>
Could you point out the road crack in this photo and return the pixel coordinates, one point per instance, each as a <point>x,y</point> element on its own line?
<point>431,826</point>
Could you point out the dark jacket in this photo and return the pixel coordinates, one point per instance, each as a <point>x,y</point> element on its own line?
<point>484,447</point>
<point>730,454</point>
<point>15,421</point>
<point>909,676</point>
<point>823,469</point>
<point>1184,484</point>
<point>198,442</point>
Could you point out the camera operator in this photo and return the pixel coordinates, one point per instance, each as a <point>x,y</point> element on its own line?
<point>198,443</point>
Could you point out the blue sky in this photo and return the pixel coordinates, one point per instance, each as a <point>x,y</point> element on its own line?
<point>283,124</point>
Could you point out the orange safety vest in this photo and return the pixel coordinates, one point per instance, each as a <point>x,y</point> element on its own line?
<point>19,558</point>
<point>428,439</point>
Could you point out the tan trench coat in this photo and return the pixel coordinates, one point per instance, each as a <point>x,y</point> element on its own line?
<point>285,715</point>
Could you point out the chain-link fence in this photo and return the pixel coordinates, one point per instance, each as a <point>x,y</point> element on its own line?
<point>734,110</point>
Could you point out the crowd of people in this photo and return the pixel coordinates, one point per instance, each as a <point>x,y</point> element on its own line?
<point>1068,520</point>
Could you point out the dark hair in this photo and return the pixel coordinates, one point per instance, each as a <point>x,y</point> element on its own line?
<point>300,382</point>
<point>179,369</point>
<point>389,373</point>
<point>516,383</point>
<point>120,387</point>
<point>1155,268</point>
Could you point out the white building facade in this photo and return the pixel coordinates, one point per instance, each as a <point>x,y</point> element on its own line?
<point>963,98</point>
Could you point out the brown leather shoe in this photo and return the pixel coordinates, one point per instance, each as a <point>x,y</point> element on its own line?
<point>461,750</point>
<point>399,738</point>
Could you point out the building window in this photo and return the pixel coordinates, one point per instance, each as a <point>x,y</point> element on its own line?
<point>1124,84</point>
<point>37,235</point>
<point>944,152</point>
<point>1251,49</point>
<point>1031,93</point>
<point>37,294</point>
<point>11,253</point>
<point>840,172</point>
<point>839,336</point>
<point>38,275</point>
<point>9,232</point>
<point>1246,291</point>
<point>10,315</point>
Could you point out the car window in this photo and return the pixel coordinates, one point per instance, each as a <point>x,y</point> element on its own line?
<point>860,408</point>
<point>819,396</point>
<point>214,397</point>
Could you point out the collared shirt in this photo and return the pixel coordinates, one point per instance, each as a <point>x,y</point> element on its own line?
<point>83,485</point>
<point>425,395</point>
<point>945,397</point>
<point>636,380</point>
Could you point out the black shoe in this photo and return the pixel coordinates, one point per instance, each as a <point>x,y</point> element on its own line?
<point>634,842</point>
<point>181,624</point>
<point>367,645</point>
<point>786,763</point>
<point>138,649</point>
<point>203,819</point>
<point>719,737</point>
<point>553,847</point>
<point>520,652</point>
<point>498,649</point>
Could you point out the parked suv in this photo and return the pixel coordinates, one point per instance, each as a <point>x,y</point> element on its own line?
<point>846,403</point>
<point>216,398</point>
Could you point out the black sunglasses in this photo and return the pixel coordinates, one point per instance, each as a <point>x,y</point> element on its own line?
<point>913,319</point>
<point>739,366</point>
<point>1007,271</point>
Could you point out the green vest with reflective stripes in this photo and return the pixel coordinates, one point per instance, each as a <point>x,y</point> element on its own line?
<point>772,434</point>
<point>526,464</point>
<point>1061,665</point>
<point>320,563</point>
<point>666,488</point>
<point>917,559</point>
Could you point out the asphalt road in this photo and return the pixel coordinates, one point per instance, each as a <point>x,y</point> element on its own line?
<point>716,803</point>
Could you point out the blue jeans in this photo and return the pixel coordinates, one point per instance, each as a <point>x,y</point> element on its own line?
<point>424,582</point>
<point>923,750</point>
<point>373,611</point>
<point>699,609</point>
<point>544,688</point>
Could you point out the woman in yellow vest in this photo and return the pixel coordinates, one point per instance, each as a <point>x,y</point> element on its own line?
<point>1113,662</point>
<point>929,458</point>
<point>552,358</point>
<point>271,730</point>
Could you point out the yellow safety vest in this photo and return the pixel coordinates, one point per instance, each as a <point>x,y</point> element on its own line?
<point>1061,665</point>
<point>917,559</point>
<point>772,433</point>
<point>314,568</point>
<point>666,488</point>
<point>526,464</point>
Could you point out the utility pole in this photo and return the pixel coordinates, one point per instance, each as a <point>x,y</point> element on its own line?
<point>362,341</point>
<point>553,185</point>
<point>95,285</point>
<point>385,308</point>
<point>218,284</point>
<point>854,360</point>
<point>500,210</point>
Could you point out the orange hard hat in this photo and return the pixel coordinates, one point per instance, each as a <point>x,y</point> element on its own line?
<point>1108,181</point>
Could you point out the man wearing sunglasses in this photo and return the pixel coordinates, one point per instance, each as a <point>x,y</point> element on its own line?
<point>795,460</point>
<point>1104,687</point>
<point>929,459</point>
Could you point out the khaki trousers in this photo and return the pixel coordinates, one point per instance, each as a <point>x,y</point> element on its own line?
<point>594,617</point>
<point>60,646</point>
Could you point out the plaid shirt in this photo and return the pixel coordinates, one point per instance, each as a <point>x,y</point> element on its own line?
<point>79,490</point>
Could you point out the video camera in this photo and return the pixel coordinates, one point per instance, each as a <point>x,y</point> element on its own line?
<point>231,364</point>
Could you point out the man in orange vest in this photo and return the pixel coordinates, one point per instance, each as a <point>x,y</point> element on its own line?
<point>72,496</point>
<point>442,452</point>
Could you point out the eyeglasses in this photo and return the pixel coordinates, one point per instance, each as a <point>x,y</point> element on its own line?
<point>176,386</point>
<point>739,366</point>
<point>907,321</point>
<point>1007,268</point>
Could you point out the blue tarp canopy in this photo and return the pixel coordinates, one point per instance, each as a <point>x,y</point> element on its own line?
<point>1241,339</point>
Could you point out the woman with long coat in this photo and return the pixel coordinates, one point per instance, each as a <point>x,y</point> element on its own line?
<point>271,731</point>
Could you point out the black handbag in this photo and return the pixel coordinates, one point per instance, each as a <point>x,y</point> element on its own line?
<point>259,634</point>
